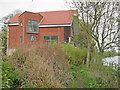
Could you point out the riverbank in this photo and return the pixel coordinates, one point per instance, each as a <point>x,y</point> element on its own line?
<point>110,54</point>
<point>97,76</point>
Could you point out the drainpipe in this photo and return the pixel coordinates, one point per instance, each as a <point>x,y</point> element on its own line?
<point>23,28</point>
<point>59,35</point>
<point>7,40</point>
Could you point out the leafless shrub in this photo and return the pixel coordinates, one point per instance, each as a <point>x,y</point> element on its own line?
<point>43,66</point>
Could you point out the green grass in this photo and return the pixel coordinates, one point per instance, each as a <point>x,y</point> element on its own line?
<point>85,76</point>
<point>98,76</point>
<point>74,73</point>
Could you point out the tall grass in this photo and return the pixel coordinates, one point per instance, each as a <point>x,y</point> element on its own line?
<point>99,76</point>
<point>75,55</point>
<point>42,67</point>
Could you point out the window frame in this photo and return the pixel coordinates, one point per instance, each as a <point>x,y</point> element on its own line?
<point>50,38</point>
<point>32,36</point>
<point>33,26</point>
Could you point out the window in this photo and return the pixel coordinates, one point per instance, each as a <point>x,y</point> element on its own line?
<point>32,38</point>
<point>65,34</point>
<point>32,26</point>
<point>21,39</point>
<point>21,23</point>
<point>54,38</point>
<point>50,38</point>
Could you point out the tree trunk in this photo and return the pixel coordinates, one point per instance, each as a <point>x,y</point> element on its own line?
<point>101,56</point>
<point>88,53</point>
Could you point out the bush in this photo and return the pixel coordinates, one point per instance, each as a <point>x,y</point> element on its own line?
<point>75,55</point>
<point>10,79</point>
<point>42,67</point>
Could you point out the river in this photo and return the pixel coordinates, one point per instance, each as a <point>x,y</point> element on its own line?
<point>115,60</point>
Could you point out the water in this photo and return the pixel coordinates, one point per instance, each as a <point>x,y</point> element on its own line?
<point>112,60</point>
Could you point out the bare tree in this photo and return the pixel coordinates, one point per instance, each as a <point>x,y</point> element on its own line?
<point>3,34</point>
<point>9,16</point>
<point>99,21</point>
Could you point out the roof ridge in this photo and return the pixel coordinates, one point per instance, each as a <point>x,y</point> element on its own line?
<point>55,11</point>
<point>51,17</point>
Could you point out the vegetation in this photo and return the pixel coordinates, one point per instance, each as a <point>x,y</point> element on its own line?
<point>75,56</point>
<point>98,20</point>
<point>54,66</point>
<point>3,37</point>
<point>3,34</point>
<point>10,78</point>
<point>111,53</point>
<point>98,76</point>
<point>39,68</point>
<point>75,78</point>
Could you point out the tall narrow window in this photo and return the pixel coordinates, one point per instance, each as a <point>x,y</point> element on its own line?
<point>65,34</point>
<point>21,39</point>
<point>32,26</point>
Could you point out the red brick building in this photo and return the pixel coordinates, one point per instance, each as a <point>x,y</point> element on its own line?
<point>35,28</point>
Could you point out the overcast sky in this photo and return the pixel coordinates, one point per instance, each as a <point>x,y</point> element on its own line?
<point>7,6</point>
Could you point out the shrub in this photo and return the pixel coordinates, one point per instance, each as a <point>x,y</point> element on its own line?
<point>74,55</point>
<point>10,79</point>
<point>42,66</point>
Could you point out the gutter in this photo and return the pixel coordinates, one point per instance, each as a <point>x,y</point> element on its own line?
<point>13,24</point>
<point>54,25</point>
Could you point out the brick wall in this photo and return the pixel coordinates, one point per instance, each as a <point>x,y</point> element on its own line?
<point>15,32</point>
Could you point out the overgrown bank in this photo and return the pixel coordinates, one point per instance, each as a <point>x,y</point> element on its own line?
<point>53,66</point>
<point>99,76</point>
<point>37,67</point>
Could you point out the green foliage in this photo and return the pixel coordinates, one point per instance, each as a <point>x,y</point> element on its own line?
<point>94,54</point>
<point>10,78</point>
<point>111,53</point>
<point>81,40</point>
<point>99,76</point>
<point>118,54</point>
<point>74,73</point>
<point>85,76</point>
<point>3,36</point>
<point>75,55</point>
